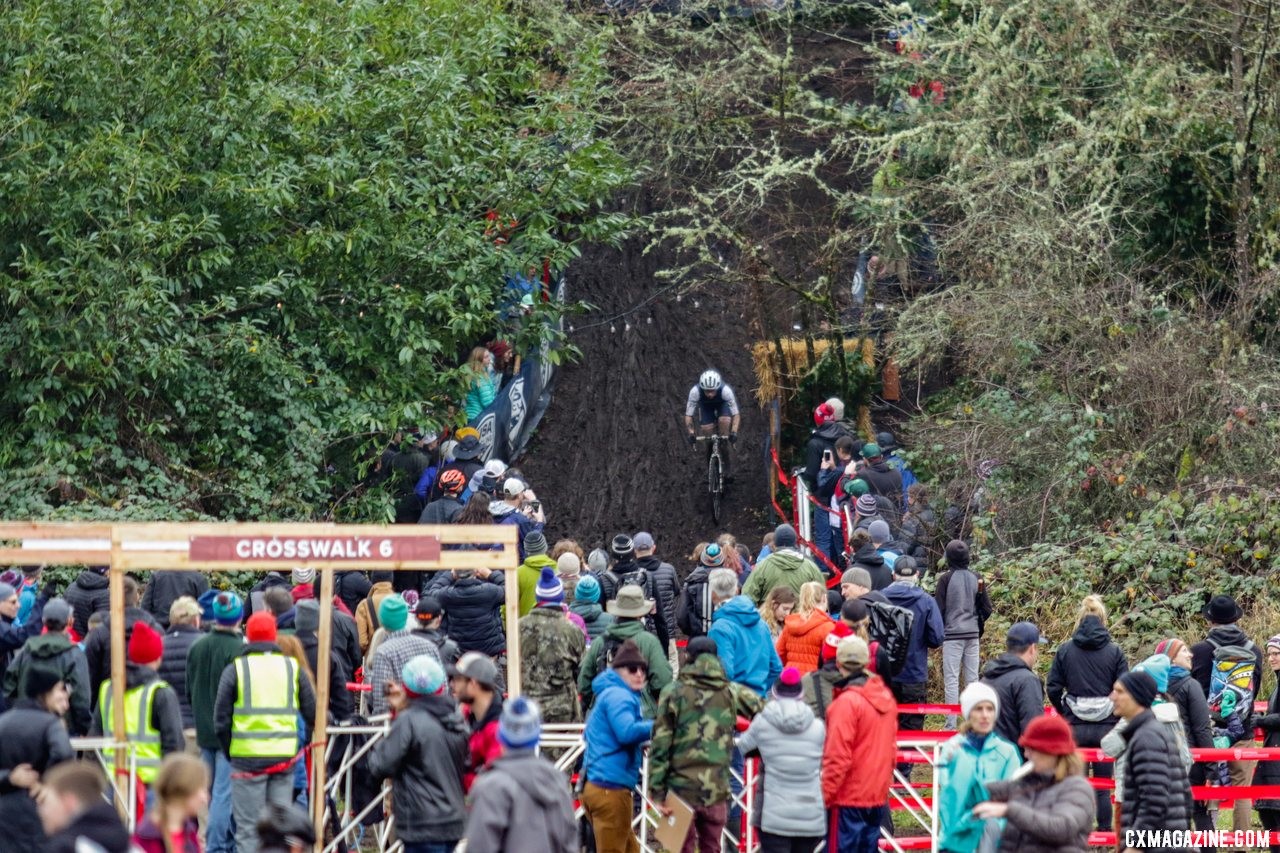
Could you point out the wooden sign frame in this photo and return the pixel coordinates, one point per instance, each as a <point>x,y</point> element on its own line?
<point>159,546</point>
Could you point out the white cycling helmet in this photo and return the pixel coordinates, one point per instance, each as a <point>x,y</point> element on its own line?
<point>710,380</point>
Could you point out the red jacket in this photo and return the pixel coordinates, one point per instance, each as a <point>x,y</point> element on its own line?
<point>484,746</point>
<point>858,759</point>
<point>800,643</point>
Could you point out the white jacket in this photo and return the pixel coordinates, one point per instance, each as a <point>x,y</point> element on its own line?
<point>789,739</point>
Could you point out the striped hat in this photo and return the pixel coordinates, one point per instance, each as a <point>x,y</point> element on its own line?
<point>549,589</point>
<point>866,505</point>
<point>712,556</point>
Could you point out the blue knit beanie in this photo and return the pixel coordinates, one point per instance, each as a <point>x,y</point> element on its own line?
<point>587,590</point>
<point>549,589</point>
<point>520,725</point>
<point>227,608</point>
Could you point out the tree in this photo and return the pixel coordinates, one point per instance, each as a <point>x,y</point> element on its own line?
<point>239,242</point>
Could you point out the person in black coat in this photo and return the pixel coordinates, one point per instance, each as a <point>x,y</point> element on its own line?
<point>184,630</point>
<point>1079,684</point>
<point>1012,675</point>
<point>97,646</point>
<point>32,739</point>
<point>166,587</point>
<point>351,586</point>
<point>472,611</point>
<point>89,593</point>
<point>1193,709</point>
<point>1157,794</point>
<point>256,600</point>
<point>342,704</point>
<point>1268,772</point>
<point>662,582</point>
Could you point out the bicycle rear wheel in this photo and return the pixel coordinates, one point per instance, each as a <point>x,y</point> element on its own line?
<point>715,484</point>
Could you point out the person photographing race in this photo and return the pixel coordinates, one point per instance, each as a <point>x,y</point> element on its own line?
<point>717,409</point>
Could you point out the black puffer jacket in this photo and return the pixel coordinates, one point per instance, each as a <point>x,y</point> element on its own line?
<point>1193,710</point>
<point>665,587</point>
<point>1085,667</point>
<point>28,735</point>
<point>693,613</point>
<point>424,755</point>
<point>173,665</point>
<point>342,704</point>
<point>471,614</point>
<point>164,588</point>
<point>97,647</point>
<point>883,480</point>
<point>88,594</point>
<point>1020,691</point>
<point>351,586</point>
<point>346,641</point>
<point>1157,795</point>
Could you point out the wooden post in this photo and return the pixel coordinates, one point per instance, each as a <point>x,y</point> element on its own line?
<point>512,584</point>
<point>115,579</point>
<point>321,729</point>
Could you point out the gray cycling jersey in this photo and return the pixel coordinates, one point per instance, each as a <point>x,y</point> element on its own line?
<point>696,398</point>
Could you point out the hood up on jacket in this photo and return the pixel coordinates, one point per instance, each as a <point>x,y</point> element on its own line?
<point>605,680</point>
<point>89,579</point>
<point>789,716</point>
<point>1091,634</point>
<point>738,609</point>
<point>706,672</point>
<point>786,560</point>
<point>47,646</point>
<point>877,694</point>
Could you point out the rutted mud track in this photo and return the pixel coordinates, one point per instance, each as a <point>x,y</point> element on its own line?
<point>610,454</point>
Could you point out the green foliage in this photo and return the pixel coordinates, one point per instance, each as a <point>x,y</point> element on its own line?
<point>1177,551</point>
<point>241,241</point>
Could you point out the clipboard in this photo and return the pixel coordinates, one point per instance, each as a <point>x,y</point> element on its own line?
<point>672,831</point>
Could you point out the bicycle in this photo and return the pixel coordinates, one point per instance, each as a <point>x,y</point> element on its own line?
<point>715,472</point>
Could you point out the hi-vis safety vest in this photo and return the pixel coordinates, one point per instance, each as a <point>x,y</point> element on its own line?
<point>138,731</point>
<point>264,721</point>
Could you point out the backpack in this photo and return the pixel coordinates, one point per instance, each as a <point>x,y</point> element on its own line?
<point>604,660</point>
<point>891,626</point>
<point>1231,681</point>
<point>643,579</point>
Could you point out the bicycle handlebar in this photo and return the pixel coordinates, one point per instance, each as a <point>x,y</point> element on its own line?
<point>711,438</point>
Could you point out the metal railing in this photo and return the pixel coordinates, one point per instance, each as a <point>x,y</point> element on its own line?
<point>126,799</point>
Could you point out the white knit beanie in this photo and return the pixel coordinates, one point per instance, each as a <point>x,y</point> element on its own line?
<point>977,692</point>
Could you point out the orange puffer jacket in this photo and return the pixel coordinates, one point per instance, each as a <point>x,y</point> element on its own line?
<point>800,643</point>
<point>857,761</point>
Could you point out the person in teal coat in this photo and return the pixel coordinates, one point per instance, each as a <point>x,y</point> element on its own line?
<point>966,763</point>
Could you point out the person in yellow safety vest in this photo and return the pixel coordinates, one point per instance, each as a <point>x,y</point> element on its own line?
<point>261,694</point>
<point>152,713</point>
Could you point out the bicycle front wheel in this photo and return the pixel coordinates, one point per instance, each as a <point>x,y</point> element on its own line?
<point>715,484</point>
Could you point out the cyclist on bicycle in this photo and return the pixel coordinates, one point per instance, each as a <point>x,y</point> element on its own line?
<point>717,410</point>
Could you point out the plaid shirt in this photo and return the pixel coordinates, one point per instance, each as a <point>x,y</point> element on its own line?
<point>389,659</point>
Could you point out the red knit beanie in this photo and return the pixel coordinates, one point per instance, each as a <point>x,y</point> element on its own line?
<point>1048,734</point>
<point>261,628</point>
<point>145,645</point>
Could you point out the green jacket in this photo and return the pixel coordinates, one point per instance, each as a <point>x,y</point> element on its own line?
<point>693,733</point>
<point>207,659</point>
<point>527,579</point>
<point>54,651</point>
<point>781,567</point>
<point>962,783</point>
<point>654,653</point>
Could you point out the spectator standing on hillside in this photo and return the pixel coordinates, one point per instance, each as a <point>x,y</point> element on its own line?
<point>184,631</point>
<point>472,605</point>
<point>919,526</point>
<point>551,651</point>
<point>516,506</point>
<point>446,508</point>
<point>522,805</point>
<point>1079,688</point>
<point>628,610</point>
<point>857,761</point>
<point>1227,642</point>
<point>785,566</point>
<point>800,643</point>
<point>743,640</point>
<point>1013,676</point>
<point>208,657</point>
<point>889,447</point>
<point>1157,795</point>
<point>789,740</point>
<point>424,755</point>
<point>54,650</point>
<point>529,571</point>
<point>883,542</point>
<point>863,554</point>
<point>615,734</point>
<point>28,590</point>
<point>14,634</point>
<point>778,605</point>
<point>1268,772</point>
<point>962,598</point>
<point>693,742</point>
<point>820,453</point>
<point>485,381</point>
<point>306,623</point>
<point>569,570</point>
<point>166,587</point>
<point>401,645</point>
<point>429,616</point>
<point>927,632</point>
<point>967,763</point>
<point>883,480</point>
<point>1193,710</point>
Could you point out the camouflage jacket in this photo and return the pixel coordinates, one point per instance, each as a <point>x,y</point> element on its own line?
<point>551,650</point>
<point>693,733</point>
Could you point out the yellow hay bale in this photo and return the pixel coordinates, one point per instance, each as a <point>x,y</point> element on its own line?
<point>782,381</point>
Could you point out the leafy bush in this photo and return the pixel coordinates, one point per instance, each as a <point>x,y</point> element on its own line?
<point>242,241</point>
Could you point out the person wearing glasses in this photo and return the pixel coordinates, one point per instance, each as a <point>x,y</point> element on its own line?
<point>616,733</point>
